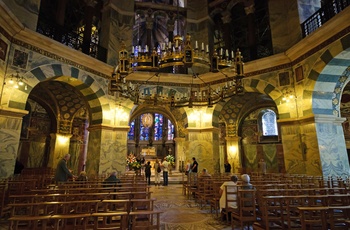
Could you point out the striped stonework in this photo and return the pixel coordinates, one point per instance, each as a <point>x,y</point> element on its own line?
<point>93,89</point>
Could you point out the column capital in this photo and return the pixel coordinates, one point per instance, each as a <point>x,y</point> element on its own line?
<point>237,138</point>
<point>321,118</point>
<point>11,112</point>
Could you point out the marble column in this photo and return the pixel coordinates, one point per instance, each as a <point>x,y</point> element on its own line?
<point>88,18</point>
<point>10,131</point>
<point>59,146</point>
<point>180,155</point>
<point>233,153</point>
<point>226,20</point>
<point>203,144</point>
<point>117,23</point>
<point>252,41</point>
<point>107,149</point>
<point>149,28</point>
<point>332,147</point>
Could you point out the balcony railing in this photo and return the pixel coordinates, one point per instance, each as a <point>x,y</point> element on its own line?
<point>71,39</point>
<point>321,16</point>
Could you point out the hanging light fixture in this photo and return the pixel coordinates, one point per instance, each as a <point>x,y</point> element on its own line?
<point>186,62</point>
<point>199,94</point>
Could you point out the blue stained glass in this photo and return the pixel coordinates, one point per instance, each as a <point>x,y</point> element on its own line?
<point>144,132</point>
<point>158,126</point>
<point>131,134</point>
<point>170,130</point>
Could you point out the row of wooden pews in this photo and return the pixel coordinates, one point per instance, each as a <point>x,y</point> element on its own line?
<point>91,204</point>
<point>278,201</point>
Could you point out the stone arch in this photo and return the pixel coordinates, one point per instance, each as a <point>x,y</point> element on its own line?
<point>330,84</point>
<point>329,78</point>
<point>91,87</point>
<point>252,85</point>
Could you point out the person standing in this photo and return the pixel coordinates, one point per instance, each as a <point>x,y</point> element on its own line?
<point>62,171</point>
<point>165,166</point>
<point>194,171</point>
<point>157,171</point>
<point>227,167</point>
<point>148,172</point>
<point>194,168</point>
<point>262,166</point>
<point>188,167</point>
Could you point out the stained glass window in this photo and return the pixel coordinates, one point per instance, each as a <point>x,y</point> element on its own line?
<point>269,124</point>
<point>131,134</point>
<point>170,130</point>
<point>160,128</point>
<point>144,131</point>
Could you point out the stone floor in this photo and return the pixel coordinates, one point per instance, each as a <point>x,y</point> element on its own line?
<point>181,212</point>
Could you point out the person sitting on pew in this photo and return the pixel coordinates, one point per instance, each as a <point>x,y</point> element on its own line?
<point>82,176</point>
<point>205,173</point>
<point>246,182</point>
<point>111,179</point>
<point>222,192</point>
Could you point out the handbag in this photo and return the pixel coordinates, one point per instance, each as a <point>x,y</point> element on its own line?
<point>159,169</point>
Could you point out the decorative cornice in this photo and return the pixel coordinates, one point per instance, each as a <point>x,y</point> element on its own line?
<point>11,112</point>
<point>106,127</point>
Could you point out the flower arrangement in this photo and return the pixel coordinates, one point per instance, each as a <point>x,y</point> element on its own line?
<point>170,159</point>
<point>132,162</point>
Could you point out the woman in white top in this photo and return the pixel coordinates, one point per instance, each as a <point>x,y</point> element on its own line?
<point>156,166</point>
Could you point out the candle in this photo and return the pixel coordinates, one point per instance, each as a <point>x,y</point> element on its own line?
<point>221,51</point>
<point>146,49</point>
<point>196,44</point>
<point>227,53</point>
<point>132,49</point>
<point>207,48</point>
<point>202,46</point>
<point>176,43</point>
<point>169,45</point>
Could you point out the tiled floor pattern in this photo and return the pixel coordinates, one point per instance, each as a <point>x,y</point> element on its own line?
<point>181,213</point>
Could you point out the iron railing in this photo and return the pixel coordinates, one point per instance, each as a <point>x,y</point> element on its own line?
<point>323,15</point>
<point>71,39</point>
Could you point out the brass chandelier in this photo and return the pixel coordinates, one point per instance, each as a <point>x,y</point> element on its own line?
<point>177,57</point>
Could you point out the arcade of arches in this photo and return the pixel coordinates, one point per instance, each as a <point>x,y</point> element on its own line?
<point>66,105</point>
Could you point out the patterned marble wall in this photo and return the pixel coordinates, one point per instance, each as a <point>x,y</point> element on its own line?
<point>332,147</point>
<point>307,7</point>
<point>26,11</point>
<point>284,23</point>
<point>301,153</point>
<point>205,148</point>
<point>10,131</point>
<point>117,21</point>
<point>107,150</point>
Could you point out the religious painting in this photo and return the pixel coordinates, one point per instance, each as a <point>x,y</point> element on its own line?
<point>284,79</point>
<point>3,50</point>
<point>299,74</point>
<point>20,59</point>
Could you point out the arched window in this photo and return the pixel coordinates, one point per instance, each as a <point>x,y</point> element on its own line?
<point>267,126</point>
<point>151,125</point>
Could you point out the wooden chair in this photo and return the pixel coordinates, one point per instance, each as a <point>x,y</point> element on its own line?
<point>215,200</point>
<point>339,217</point>
<point>246,212</point>
<point>145,220</point>
<point>231,201</point>
<point>313,217</point>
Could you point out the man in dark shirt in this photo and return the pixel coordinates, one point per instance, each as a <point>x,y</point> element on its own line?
<point>227,167</point>
<point>194,168</point>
